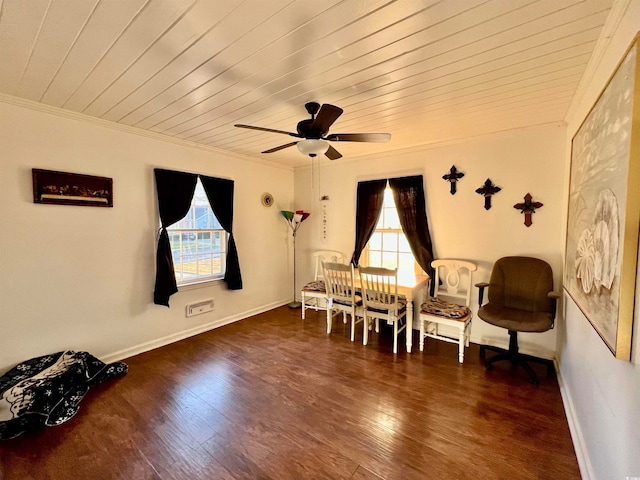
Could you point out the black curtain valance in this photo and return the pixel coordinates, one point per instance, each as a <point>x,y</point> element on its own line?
<point>175,191</point>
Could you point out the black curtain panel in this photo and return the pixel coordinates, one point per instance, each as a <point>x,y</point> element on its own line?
<point>368,206</point>
<point>175,191</point>
<point>408,193</point>
<point>220,194</point>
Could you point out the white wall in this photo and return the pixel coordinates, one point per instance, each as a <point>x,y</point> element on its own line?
<point>82,277</point>
<point>519,161</point>
<point>602,393</point>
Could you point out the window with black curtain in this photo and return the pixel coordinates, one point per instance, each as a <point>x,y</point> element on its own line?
<point>175,191</point>
<point>408,193</point>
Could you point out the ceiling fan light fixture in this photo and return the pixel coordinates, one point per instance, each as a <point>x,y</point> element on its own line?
<point>313,147</point>
<point>313,131</point>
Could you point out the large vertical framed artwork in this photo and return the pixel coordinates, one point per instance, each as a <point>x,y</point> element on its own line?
<point>604,209</point>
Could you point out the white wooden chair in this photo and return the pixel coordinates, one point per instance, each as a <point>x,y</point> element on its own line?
<point>341,294</point>
<point>381,301</point>
<point>456,315</point>
<point>314,293</point>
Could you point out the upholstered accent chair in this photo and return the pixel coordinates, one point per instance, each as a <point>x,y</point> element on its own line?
<point>521,299</point>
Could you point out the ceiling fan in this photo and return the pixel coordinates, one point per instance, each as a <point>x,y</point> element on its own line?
<point>313,132</point>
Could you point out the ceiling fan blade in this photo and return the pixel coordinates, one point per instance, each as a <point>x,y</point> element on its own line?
<point>359,137</point>
<point>262,129</point>
<point>325,118</point>
<point>275,149</point>
<point>332,153</point>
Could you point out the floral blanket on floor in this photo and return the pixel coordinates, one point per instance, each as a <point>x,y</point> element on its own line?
<point>47,390</point>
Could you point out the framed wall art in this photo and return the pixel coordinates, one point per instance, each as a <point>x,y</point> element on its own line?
<point>604,209</point>
<point>71,189</point>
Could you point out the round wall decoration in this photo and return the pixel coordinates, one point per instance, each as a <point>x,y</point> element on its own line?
<point>267,199</point>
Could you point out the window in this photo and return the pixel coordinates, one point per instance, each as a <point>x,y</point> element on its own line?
<point>388,246</point>
<point>198,243</point>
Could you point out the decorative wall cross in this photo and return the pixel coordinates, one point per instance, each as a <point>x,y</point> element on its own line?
<point>452,177</point>
<point>528,207</point>
<point>487,190</point>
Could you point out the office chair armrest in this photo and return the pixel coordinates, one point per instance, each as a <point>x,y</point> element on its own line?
<point>481,286</point>
<point>555,296</point>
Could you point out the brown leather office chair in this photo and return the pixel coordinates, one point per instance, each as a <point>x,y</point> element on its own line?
<point>521,299</point>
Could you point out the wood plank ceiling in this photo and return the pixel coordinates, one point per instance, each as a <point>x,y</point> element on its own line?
<point>423,70</point>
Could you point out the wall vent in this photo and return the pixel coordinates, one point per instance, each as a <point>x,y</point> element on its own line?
<point>199,307</point>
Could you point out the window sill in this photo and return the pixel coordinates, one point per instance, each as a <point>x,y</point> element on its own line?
<point>202,284</point>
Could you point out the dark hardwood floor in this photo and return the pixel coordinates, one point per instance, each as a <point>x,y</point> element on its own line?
<point>273,397</point>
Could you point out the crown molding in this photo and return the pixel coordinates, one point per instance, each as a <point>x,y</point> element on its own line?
<point>420,148</point>
<point>81,117</point>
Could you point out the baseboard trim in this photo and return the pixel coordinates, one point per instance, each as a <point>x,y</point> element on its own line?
<point>175,337</point>
<point>584,464</point>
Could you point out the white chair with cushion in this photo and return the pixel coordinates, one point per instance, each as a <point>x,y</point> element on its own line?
<point>341,294</point>
<point>452,281</point>
<point>314,293</point>
<point>381,301</point>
